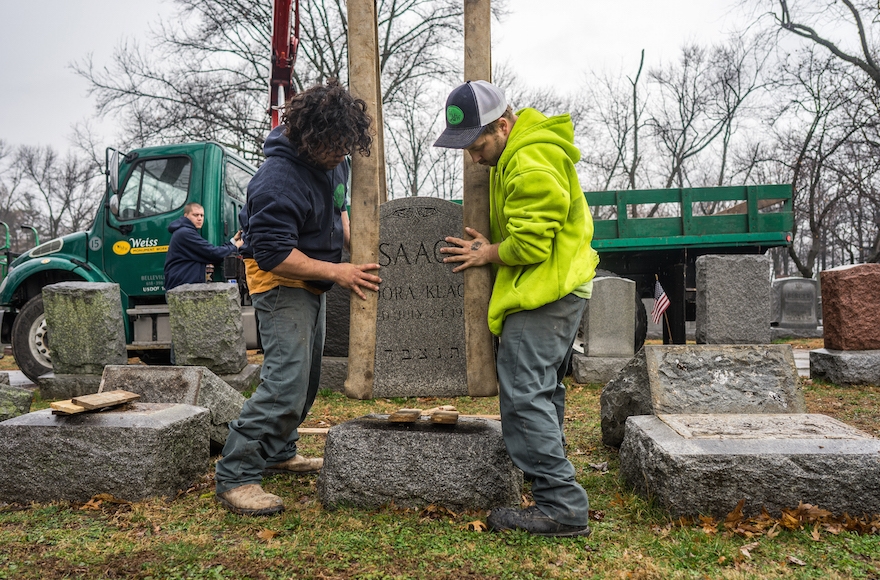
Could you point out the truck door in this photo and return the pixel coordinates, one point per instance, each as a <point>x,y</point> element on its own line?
<point>136,239</point>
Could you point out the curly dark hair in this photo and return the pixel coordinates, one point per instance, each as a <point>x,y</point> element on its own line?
<point>326,118</point>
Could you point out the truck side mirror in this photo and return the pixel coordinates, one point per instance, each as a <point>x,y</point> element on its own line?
<point>114,204</point>
<point>113,171</point>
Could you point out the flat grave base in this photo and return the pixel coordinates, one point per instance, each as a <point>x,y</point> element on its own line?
<point>846,367</point>
<point>370,462</point>
<point>136,451</point>
<point>705,464</point>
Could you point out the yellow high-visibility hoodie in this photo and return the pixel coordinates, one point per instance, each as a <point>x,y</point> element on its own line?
<point>540,218</point>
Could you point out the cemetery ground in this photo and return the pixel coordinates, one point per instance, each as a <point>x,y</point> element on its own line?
<point>191,536</point>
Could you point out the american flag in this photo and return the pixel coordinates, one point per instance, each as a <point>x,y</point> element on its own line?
<point>661,303</point>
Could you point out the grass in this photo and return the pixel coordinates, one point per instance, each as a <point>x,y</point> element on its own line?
<point>192,537</point>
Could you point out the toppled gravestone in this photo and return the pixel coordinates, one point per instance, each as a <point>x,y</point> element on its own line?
<point>189,385</point>
<point>846,367</point>
<point>701,379</point>
<point>206,327</point>
<point>733,299</point>
<point>705,464</point>
<point>14,401</point>
<point>137,451</point>
<point>369,462</point>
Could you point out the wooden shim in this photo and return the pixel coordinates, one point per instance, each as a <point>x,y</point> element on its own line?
<point>405,416</point>
<point>107,399</point>
<point>480,350</point>
<point>313,430</point>
<point>66,408</point>
<point>444,417</point>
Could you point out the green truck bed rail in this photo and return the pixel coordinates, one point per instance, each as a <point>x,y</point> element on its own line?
<point>762,217</point>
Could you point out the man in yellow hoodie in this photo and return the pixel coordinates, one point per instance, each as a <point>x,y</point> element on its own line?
<point>540,235</point>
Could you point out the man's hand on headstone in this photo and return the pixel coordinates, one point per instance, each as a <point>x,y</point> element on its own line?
<point>356,277</point>
<point>475,252</point>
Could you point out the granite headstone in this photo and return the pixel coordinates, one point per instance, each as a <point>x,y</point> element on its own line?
<point>420,339</point>
<point>797,300</point>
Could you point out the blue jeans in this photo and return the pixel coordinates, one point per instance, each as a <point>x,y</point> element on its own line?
<point>532,359</point>
<point>292,327</point>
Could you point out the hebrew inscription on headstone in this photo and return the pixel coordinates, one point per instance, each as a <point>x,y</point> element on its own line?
<point>420,343</point>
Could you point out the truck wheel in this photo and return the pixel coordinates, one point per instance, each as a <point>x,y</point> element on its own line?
<point>30,340</point>
<point>641,316</point>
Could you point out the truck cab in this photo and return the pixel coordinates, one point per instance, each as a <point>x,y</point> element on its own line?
<point>146,190</point>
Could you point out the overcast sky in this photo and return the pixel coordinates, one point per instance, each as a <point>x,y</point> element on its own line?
<point>545,41</point>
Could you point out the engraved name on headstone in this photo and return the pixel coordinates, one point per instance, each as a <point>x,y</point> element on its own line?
<point>420,341</point>
<point>798,302</point>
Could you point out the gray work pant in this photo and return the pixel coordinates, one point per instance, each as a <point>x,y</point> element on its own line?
<point>292,328</point>
<point>532,358</point>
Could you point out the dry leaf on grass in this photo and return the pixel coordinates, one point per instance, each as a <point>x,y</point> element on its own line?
<point>476,526</point>
<point>795,561</point>
<point>267,535</point>
<point>747,549</point>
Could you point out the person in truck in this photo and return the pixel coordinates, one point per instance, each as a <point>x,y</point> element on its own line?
<point>189,253</point>
<point>541,231</point>
<point>293,230</point>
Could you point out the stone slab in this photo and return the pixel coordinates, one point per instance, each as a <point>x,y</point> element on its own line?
<point>14,401</point>
<point>142,450</point>
<point>67,386</point>
<point>420,343</point>
<point>206,327</point>
<point>334,371</point>
<point>86,326</point>
<point>608,325</point>
<point>851,307</point>
<point>247,378</point>
<point>188,385</point>
<point>846,367</point>
<point>733,299</point>
<point>705,464</point>
<point>595,370</point>
<point>701,379</point>
<point>369,462</point>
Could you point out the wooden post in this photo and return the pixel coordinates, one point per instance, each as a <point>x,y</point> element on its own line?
<point>368,190</point>
<point>481,378</point>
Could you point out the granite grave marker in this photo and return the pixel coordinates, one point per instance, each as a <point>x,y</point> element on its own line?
<point>420,339</point>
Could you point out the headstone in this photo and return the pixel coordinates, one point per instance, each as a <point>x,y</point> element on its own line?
<point>188,385</point>
<point>369,463</point>
<point>608,330</point>
<point>705,464</point>
<point>86,327</point>
<point>14,401</point>
<point>608,324</point>
<point>733,299</point>
<point>138,451</point>
<point>846,367</point>
<point>338,319</point>
<point>420,342</point>
<point>206,327</point>
<point>701,379</point>
<point>797,301</point>
<point>851,307</point>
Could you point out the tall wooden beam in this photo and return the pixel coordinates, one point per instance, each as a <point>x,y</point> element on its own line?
<point>481,378</point>
<point>368,190</point>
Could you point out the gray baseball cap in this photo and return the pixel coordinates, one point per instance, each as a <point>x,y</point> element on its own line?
<point>469,108</point>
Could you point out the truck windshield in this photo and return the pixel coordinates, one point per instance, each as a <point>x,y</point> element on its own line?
<point>155,186</point>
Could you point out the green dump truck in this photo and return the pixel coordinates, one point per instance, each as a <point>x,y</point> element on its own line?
<point>645,249</point>
<point>146,190</point>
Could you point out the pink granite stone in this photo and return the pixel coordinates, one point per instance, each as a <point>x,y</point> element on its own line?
<point>851,307</point>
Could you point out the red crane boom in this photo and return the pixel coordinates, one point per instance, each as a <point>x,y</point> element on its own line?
<point>285,41</point>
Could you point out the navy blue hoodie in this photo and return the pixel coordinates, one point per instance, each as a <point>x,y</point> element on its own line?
<point>189,253</point>
<point>293,204</point>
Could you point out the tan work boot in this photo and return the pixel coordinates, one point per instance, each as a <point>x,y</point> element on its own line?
<point>251,500</point>
<point>296,464</point>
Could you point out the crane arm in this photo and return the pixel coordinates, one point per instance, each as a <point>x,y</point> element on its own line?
<point>285,41</point>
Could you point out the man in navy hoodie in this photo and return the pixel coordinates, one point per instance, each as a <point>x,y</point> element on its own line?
<point>189,252</point>
<point>294,232</point>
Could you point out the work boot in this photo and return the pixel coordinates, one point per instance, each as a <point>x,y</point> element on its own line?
<point>251,500</point>
<point>532,520</point>
<point>296,464</point>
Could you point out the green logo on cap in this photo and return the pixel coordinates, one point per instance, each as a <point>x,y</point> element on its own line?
<point>454,115</point>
